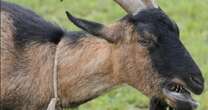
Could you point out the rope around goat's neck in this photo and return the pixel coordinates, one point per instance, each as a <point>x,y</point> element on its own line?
<point>54,101</point>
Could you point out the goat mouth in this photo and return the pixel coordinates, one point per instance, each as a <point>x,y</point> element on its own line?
<point>179,97</point>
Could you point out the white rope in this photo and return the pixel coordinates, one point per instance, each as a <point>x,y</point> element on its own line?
<point>54,101</point>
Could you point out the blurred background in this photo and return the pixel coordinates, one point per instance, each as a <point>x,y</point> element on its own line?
<point>190,15</point>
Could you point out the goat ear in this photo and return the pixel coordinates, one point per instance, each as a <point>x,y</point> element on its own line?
<point>96,29</point>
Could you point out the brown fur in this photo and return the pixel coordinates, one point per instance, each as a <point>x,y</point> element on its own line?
<point>21,71</point>
<point>86,68</point>
<point>94,66</point>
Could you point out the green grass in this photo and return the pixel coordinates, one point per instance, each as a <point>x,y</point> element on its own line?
<point>191,15</point>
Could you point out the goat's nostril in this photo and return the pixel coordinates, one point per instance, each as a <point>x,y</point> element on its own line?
<point>196,84</point>
<point>197,80</point>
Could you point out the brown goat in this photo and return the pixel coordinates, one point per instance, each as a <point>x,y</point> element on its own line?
<point>141,50</point>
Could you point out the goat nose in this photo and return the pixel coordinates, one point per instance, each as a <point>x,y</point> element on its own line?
<point>197,80</point>
<point>198,84</point>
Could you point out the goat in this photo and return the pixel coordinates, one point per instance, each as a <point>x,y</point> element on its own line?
<point>143,50</point>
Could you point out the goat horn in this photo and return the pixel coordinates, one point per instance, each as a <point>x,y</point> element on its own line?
<point>134,6</point>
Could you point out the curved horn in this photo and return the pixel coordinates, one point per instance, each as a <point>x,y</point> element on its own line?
<point>134,6</point>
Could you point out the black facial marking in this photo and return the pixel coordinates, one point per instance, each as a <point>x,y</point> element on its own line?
<point>156,22</point>
<point>169,57</point>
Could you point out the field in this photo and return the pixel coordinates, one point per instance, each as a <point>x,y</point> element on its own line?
<point>190,15</point>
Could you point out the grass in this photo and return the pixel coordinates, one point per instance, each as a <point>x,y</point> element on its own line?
<point>190,15</point>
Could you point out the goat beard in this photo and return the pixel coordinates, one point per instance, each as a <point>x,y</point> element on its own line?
<point>159,104</point>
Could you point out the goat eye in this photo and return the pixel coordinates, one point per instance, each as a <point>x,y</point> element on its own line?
<point>146,43</point>
<point>147,39</point>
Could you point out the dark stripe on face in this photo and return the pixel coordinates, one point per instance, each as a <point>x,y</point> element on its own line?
<point>169,57</point>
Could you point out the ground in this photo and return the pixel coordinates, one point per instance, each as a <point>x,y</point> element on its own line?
<point>190,15</point>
